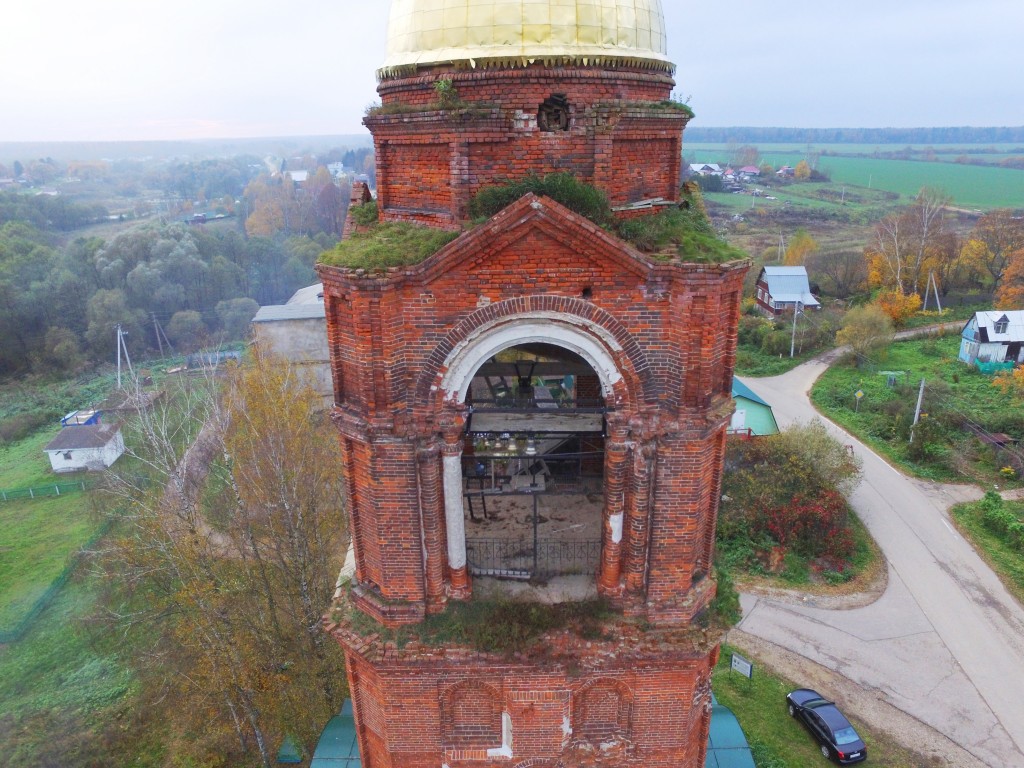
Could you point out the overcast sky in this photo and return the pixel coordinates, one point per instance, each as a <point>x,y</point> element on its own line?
<point>114,69</point>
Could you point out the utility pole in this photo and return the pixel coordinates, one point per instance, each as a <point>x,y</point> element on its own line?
<point>122,347</point>
<point>917,410</point>
<point>792,341</point>
<point>156,329</point>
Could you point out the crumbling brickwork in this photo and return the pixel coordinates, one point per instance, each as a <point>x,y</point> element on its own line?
<point>658,334</point>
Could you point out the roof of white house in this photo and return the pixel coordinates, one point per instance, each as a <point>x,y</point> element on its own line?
<point>986,325</point>
<point>789,284</point>
<point>83,436</point>
<point>305,304</point>
<point>698,167</point>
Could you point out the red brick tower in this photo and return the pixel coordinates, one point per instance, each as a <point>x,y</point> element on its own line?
<point>537,408</point>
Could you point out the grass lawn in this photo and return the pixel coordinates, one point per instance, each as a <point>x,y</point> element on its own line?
<point>66,698</point>
<point>945,450</point>
<point>777,740</point>
<point>24,465</point>
<point>40,537</point>
<point>1005,561</point>
<point>751,361</point>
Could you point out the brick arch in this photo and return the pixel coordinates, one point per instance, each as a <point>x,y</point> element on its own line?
<point>602,709</point>
<point>582,316</point>
<point>537,762</point>
<point>471,715</point>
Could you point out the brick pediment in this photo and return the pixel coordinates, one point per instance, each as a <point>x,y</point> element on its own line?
<point>512,239</point>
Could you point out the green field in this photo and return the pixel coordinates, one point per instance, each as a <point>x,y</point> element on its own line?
<point>24,465</point>
<point>971,186</point>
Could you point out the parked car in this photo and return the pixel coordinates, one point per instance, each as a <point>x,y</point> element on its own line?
<point>833,732</point>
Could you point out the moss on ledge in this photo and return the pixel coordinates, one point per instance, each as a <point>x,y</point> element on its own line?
<point>387,244</point>
<point>684,233</point>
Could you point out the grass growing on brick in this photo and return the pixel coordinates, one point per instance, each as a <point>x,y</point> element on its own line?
<point>388,244</point>
<point>564,188</point>
<point>493,626</point>
<point>683,233</point>
<point>995,549</point>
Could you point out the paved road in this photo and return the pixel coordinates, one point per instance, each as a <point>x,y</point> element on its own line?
<point>945,642</point>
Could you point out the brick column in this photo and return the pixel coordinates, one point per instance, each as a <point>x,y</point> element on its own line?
<point>638,514</point>
<point>455,517</point>
<point>428,459</point>
<point>616,470</point>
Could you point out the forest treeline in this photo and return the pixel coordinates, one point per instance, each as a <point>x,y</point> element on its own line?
<point>175,273</point>
<point>950,135</point>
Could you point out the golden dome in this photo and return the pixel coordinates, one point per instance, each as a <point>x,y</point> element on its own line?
<point>519,32</point>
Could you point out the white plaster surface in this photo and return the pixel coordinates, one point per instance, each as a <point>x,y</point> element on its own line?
<point>454,512</point>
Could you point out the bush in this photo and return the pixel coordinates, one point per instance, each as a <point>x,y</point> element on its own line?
<point>564,188</point>
<point>22,425</point>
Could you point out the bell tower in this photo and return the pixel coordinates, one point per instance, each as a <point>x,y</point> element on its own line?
<point>531,411</point>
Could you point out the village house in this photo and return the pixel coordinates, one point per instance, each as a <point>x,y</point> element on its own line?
<point>993,337</point>
<point>88,446</point>
<point>780,289</point>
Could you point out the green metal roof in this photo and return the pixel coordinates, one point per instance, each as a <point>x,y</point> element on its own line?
<point>338,747</point>
<point>739,389</point>
<point>727,746</point>
<point>289,752</point>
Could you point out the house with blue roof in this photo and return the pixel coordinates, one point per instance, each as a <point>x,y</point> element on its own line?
<point>780,289</point>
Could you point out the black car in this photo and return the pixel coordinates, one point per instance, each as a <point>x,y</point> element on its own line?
<point>838,740</point>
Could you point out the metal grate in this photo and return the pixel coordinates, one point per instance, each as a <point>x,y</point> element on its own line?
<point>528,559</point>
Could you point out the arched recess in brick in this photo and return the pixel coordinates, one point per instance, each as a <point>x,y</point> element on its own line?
<point>537,762</point>
<point>602,710</point>
<point>471,716</point>
<point>560,320</point>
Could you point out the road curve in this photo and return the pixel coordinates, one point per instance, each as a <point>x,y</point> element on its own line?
<point>945,642</point>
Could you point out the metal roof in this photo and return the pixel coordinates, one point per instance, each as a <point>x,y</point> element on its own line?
<point>788,285</point>
<point>739,389</point>
<point>517,32</point>
<point>278,312</point>
<point>986,325</point>
<point>83,436</point>
<point>338,747</point>
<point>727,746</point>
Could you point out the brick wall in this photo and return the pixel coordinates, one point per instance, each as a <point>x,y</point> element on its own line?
<point>612,706</point>
<point>431,162</point>
<point>669,327</point>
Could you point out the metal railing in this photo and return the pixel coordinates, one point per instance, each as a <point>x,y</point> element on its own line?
<point>44,491</point>
<point>528,559</point>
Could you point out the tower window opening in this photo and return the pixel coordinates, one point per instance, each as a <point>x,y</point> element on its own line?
<point>554,114</point>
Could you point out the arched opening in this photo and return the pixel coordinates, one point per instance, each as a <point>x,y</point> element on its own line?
<point>533,465</point>
<point>536,391</point>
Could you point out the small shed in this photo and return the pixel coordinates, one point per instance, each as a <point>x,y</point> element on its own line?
<point>753,416</point>
<point>727,745</point>
<point>90,447</point>
<point>993,337</point>
<point>779,289</point>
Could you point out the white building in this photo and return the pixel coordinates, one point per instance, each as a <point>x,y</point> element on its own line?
<point>90,447</point>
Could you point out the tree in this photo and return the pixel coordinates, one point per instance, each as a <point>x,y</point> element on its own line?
<point>801,245</point>
<point>1001,233</point>
<point>747,155</point>
<point>866,329</point>
<point>187,330</point>
<point>235,316</point>
<point>1010,294</point>
<point>898,306</point>
<point>843,272</point>
<point>226,559</point>
<point>907,241</point>
<point>802,172</point>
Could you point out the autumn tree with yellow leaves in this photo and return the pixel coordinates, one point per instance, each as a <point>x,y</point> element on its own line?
<point>231,537</point>
<point>911,243</point>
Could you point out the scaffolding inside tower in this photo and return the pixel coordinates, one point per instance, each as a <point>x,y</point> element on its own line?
<point>533,465</point>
